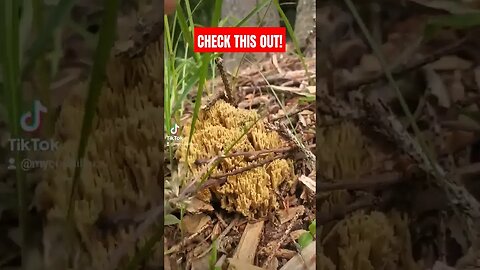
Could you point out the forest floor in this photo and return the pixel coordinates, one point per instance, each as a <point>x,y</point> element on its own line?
<point>266,240</point>
<point>394,193</point>
<point>395,133</point>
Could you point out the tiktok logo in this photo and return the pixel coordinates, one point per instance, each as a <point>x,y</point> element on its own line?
<point>31,121</point>
<point>174,129</point>
<point>173,138</point>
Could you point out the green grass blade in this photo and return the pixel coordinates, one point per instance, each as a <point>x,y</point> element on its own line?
<point>187,34</point>
<point>59,13</point>
<point>198,100</point>
<point>294,39</point>
<point>102,54</point>
<point>212,260</point>
<point>455,21</point>
<point>10,63</point>
<point>217,13</point>
<point>253,12</point>
<point>388,74</point>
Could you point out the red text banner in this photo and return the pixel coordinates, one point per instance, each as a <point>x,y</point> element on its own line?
<point>239,39</point>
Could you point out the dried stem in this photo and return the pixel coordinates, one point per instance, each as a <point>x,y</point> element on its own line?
<point>280,242</point>
<point>252,154</point>
<point>228,89</point>
<point>249,167</point>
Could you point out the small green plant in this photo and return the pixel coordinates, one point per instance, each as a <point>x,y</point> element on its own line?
<point>307,237</point>
<point>212,261</point>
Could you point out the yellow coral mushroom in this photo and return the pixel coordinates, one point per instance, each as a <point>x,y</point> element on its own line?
<point>252,192</point>
<point>122,171</point>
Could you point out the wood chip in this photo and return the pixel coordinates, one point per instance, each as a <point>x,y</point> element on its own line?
<point>309,182</point>
<point>247,247</point>
<point>298,262</point>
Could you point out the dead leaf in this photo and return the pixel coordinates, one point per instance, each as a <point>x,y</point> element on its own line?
<point>347,53</point>
<point>272,264</point>
<point>194,223</point>
<point>307,257</point>
<point>451,62</point>
<point>201,263</point>
<point>247,247</point>
<point>369,64</point>
<point>285,215</point>
<point>302,120</point>
<point>437,88</point>
<point>293,90</point>
<point>457,140</point>
<point>296,234</point>
<point>236,264</point>
<point>197,205</point>
<point>457,90</point>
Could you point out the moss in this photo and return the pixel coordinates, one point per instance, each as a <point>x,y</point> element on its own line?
<point>253,192</point>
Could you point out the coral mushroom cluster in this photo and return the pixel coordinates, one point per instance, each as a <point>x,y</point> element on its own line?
<point>121,174</point>
<point>252,192</point>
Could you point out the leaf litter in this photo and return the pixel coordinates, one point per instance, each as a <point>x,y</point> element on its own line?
<point>249,232</point>
<point>381,182</point>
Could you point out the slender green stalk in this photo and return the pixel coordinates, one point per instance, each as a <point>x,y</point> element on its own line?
<point>102,55</point>
<point>393,83</point>
<point>10,62</point>
<point>42,75</point>
<point>61,10</point>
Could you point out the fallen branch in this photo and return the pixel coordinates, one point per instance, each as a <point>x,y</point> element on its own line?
<point>311,159</point>
<point>249,167</point>
<point>251,153</point>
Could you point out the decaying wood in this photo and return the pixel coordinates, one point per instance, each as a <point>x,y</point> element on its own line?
<point>247,247</point>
